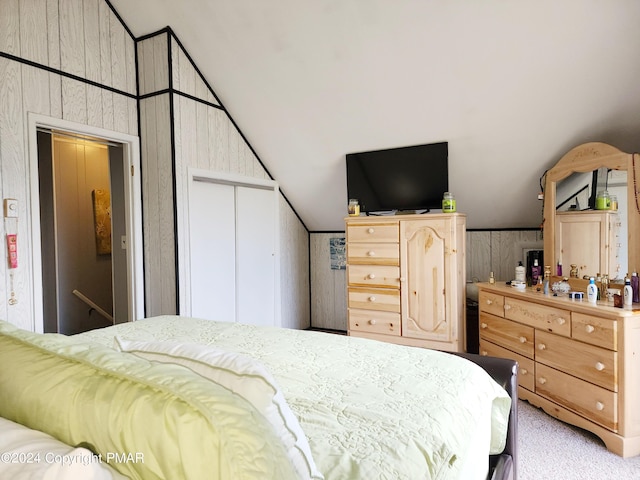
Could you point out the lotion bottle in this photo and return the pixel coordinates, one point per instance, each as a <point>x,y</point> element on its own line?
<point>520,273</point>
<point>627,292</point>
<point>535,272</point>
<point>635,287</point>
<point>592,291</point>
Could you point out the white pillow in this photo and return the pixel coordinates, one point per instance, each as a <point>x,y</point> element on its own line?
<point>244,376</point>
<point>28,454</point>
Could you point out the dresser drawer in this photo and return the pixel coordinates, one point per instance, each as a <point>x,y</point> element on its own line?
<point>592,402</point>
<point>526,366</point>
<point>513,336</point>
<point>594,330</point>
<point>373,275</point>
<point>374,322</point>
<point>384,299</point>
<point>538,316</point>
<point>588,362</point>
<point>491,303</point>
<point>374,233</point>
<point>373,254</point>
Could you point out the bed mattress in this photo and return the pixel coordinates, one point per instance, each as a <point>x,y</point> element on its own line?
<point>370,410</point>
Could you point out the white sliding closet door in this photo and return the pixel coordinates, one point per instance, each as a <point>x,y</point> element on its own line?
<point>232,244</point>
<point>255,255</point>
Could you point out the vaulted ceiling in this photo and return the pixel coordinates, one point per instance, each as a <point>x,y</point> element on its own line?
<point>510,84</point>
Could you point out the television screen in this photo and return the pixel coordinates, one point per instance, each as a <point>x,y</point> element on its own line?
<point>405,178</point>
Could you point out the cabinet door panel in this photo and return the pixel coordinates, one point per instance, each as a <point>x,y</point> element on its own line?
<point>424,260</point>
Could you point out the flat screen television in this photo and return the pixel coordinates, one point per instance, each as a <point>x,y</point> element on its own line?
<point>399,179</point>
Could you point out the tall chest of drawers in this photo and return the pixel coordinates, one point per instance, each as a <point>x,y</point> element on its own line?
<point>579,362</point>
<point>406,278</point>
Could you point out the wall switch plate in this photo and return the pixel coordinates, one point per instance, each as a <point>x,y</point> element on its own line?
<point>10,208</point>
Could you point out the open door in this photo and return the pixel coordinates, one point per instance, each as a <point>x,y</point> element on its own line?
<point>86,227</point>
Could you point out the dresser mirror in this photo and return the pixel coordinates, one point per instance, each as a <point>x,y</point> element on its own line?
<point>571,186</point>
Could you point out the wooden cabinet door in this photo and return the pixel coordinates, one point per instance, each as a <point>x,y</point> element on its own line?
<point>424,261</point>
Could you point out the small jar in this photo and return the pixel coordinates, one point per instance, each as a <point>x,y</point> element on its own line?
<point>354,207</point>
<point>614,202</point>
<point>603,201</point>
<point>448,203</point>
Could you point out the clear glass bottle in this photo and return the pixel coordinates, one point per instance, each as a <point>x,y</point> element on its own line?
<point>448,203</point>
<point>354,207</point>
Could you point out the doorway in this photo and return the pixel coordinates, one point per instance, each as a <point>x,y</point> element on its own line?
<point>86,227</point>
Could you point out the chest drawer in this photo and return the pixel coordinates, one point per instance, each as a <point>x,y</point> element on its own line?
<point>588,362</point>
<point>513,336</point>
<point>373,275</point>
<point>592,402</point>
<point>373,254</point>
<point>594,330</point>
<point>491,303</point>
<point>526,366</point>
<point>374,233</point>
<point>384,299</point>
<point>387,323</point>
<point>541,317</point>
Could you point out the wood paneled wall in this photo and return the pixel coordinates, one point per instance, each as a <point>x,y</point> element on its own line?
<point>183,125</point>
<point>67,59</point>
<point>495,251</point>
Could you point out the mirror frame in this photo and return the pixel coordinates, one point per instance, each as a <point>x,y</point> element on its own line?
<point>586,158</point>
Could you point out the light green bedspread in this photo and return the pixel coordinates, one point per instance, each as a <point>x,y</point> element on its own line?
<point>370,410</point>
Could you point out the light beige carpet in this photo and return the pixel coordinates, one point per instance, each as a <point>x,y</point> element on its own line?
<point>553,450</point>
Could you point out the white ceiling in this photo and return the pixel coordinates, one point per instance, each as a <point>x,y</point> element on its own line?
<point>510,84</point>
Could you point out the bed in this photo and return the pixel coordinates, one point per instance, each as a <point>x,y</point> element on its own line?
<point>176,397</point>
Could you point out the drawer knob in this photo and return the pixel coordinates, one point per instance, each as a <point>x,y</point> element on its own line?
<point>523,339</point>
<point>371,253</point>
<point>542,346</point>
<point>524,371</point>
<point>401,279</point>
<point>599,406</point>
<point>599,366</point>
<point>483,325</point>
<point>489,302</point>
<point>371,276</point>
<point>589,328</point>
<point>372,298</point>
<point>561,321</point>
<point>507,307</point>
<point>542,380</point>
<point>370,230</point>
<point>372,321</point>
<point>484,352</point>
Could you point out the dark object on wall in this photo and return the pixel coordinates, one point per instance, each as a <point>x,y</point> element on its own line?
<point>406,178</point>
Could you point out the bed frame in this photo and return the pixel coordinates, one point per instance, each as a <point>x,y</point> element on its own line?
<point>505,372</point>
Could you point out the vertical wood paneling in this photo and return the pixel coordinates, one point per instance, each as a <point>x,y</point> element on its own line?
<point>222,142</point>
<point>118,54</point>
<point>36,81</point>
<point>294,269</point>
<point>72,36</point>
<point>234,164</point>
<point>72,56</point>
<point>33,21</point>
<point>74,100</point>
<point>478,256</point>
<point>328,287</point>
<point>10,26</point>
<point>14,185</point>
<point>92,57</point>
<point>53,45</point>
<point>120,113</point>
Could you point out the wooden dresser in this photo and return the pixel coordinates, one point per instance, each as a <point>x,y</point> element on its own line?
<point>406,279</point>
<point>579,362</point>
